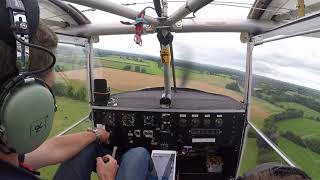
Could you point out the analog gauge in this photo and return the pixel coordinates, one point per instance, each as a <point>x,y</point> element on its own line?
<point>219,122</point>
<point>127,120</point>
<point>148,120</point>
<point>207,122</point>
<point>183,122</point>
<point>195,122</point>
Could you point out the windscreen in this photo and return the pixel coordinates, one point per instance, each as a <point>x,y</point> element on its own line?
<point>211,63</point>
<point>70,87</point>
<point>286,103</point>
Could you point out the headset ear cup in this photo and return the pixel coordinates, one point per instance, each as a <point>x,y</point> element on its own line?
<point>27,114</point>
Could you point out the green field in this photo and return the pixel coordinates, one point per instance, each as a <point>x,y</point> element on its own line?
<point>69,112</point>
<point>249,159</point>
<point>304,158</point>
<point>152,67</point>
<point>256,117</point>
<point>304,128</point>
<point>307,111</point>
<point>117,62</point>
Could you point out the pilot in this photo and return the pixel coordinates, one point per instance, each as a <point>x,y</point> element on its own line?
<point>22,154</point>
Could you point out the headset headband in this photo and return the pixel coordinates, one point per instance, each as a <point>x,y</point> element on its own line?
<point>31,9</point>
<point>21,23</point>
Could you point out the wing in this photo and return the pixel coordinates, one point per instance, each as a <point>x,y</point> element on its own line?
<point>283,10</point>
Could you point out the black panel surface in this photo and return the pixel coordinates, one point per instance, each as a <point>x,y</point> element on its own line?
<point>182,99</point>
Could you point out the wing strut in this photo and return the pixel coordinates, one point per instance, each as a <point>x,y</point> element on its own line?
<point>165,38</point>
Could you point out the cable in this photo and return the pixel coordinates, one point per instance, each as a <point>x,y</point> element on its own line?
<point>149,7</point>
<point>240,6</point>
<point>86,10</point>
<point>40,48</point>
<point>226,3</point>
<point>281,6</point>
<point>173,69</point>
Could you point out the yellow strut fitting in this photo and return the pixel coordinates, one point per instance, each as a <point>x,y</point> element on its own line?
<point>165,55</point>
<point>301,8</point>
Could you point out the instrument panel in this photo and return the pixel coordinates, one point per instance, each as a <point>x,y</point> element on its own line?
<point>206,130</point>
<point>161,130</point>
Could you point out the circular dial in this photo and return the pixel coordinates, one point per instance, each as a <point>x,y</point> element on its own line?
<point>195,122</point>
<point>127,120</point>
<point>207,122</point>
<point>219,122</point>
<point>183,122</point>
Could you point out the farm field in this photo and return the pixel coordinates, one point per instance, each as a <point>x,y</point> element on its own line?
<point>307,111</point>
<point>249,155</point>
<point>262,109</point>
<point>69,111</point>
<point>153,68</point>
<point>304,158</point>
<point>128,81</point>
<point>305,128</point>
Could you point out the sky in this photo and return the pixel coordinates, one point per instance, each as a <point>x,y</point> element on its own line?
<point>294,60</point>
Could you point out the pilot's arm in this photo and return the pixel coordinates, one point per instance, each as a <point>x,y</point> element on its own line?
<point>60,149</point>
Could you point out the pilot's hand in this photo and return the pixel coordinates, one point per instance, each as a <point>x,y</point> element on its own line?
<point>107,170</point>
<point>103,135</point>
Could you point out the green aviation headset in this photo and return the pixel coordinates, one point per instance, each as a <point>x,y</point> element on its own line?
<point>27,104</point>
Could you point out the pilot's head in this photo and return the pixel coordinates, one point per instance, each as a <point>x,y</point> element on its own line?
<point>27,104</point>
<point>38,59</point>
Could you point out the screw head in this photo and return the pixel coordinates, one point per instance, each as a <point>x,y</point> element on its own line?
<point>23,25</point>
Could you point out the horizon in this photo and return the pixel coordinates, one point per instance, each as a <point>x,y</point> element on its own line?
<point>199,63</point>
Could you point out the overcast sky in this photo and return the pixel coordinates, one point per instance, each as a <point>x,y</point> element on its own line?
<point>294,60</point>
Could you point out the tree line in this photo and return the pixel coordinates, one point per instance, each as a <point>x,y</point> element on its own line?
<point>265,152</point>
<point>136,69</point>
<point>280,96</point>
<point>73,90</point>
<point>233,86</point>
<point>310,143</point>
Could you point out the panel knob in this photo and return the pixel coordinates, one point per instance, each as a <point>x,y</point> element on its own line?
<point>195,122</point>
<point>183,123</point>
<point>219,122</point>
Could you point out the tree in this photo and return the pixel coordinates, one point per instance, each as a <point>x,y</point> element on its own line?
<point>294,138</point>
<point>143,70</point>
<point>233,86</point>
<point>59,89</point>
<point>81,93</point>
<point>127,68</point>
<point>137,68</point>
<point>70,91</point>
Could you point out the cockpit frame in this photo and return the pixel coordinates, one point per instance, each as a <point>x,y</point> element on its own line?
<point>255,33</point>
